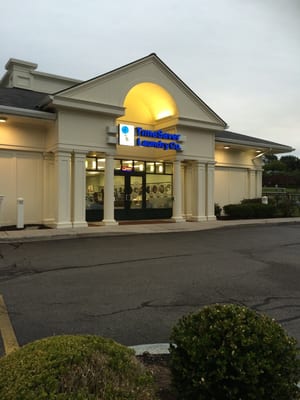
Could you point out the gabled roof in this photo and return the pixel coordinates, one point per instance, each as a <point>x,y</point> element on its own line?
<point>237,138</point>
<point>151,58</point>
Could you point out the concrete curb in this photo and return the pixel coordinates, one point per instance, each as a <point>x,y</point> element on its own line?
<point>125,230</point>
<point>154,348</point>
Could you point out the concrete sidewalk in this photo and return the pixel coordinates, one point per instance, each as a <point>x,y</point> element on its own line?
<point>148,227</point>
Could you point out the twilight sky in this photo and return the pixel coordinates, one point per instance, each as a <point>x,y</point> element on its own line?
<point>242,57</point>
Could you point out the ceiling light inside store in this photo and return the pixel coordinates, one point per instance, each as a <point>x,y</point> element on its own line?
<point>226,147</point>
<point>93,173</point>
<point>3,119</point>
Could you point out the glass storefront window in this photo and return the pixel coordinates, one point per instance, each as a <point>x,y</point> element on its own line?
<point>168,168</point>
<point>159,191</point>
<point>101,163</point>
<point>127,165</point>
<point>94,190</point>
<point>117,165</point>
<point>139,166</point>
<point>91,163</point>
<point>150,167</point>
<point>136,191</point>
<point>95,164</point>
<point>119,191</point>
<point>159,168</point>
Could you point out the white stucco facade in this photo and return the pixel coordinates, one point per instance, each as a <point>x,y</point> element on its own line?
<point>45,148</point>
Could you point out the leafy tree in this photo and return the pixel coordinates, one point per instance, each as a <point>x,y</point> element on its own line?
<point>275,166</point>
<point>292,163</point>
<point>268,158</point>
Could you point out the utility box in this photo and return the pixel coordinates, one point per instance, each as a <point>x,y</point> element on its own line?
<point>20,213</point>
<point>264,200</point>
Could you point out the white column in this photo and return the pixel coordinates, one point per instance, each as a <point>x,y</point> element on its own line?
<point>79,190</point>
<point>63,189</point>
<point>210,192</point>
<point>258,183</point>
<point>109,198</point>
<point>177,192</point>
<point>49,189</point>
<point>251,184</point>
<point>188,190</point>
<point>199,200</point>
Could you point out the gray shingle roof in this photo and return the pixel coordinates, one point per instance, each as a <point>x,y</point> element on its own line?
<point>237,138</point>
<point>21,98</point>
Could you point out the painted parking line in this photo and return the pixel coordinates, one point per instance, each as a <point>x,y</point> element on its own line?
<point>9,339</point>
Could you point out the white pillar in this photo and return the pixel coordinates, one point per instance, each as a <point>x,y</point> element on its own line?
<point>210,192</point>
<point>199,200</point>
<point>251,184</point>
<point>109,198</point>
<point>188,191</point>
<point>63,189</point>
<point>177,192</point>
<point>79,190</point>
<point>258,183</point>
<point>49,189</point>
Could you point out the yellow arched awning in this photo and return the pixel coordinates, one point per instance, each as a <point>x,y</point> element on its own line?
<point>148,103</point>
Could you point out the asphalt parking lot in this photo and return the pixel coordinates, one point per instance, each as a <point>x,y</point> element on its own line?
<point>134,287</point>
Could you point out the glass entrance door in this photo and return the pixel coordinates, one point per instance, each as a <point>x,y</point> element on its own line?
<point>129,190</point>
<point>135,192</point>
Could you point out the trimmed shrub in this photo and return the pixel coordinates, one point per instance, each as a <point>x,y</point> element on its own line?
<point>256,200</point>
<point>287,207</point>
<point>74,368</point>
<point>218,210</point>
<point>250,210</point>
<point>229,352</point>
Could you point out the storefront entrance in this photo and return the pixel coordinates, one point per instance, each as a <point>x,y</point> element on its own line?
<point>142,190</point>
<point>129,195</point>
<point>132,199</point>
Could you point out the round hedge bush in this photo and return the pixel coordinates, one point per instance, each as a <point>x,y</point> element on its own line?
<point>74,368</point>
<point>229,352</point>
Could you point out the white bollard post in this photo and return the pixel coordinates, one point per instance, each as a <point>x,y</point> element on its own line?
<point>1,201</point>
<point>20,213</point>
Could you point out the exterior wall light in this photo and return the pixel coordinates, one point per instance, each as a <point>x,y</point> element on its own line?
<point>3,119</point>
<point>260,154</point>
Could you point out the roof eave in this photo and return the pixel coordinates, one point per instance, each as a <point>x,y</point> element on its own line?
<point>24,112</point>
<point>270,147</point>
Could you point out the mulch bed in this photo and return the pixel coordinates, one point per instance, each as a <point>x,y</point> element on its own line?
<point>26,227</point>
<point>146,221</point>
<point>158,365</point>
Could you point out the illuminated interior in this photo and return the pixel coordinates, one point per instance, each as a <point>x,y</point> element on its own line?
<point>148,103</point>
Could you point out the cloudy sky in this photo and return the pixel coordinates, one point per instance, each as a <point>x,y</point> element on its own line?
<point>242,57</point>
